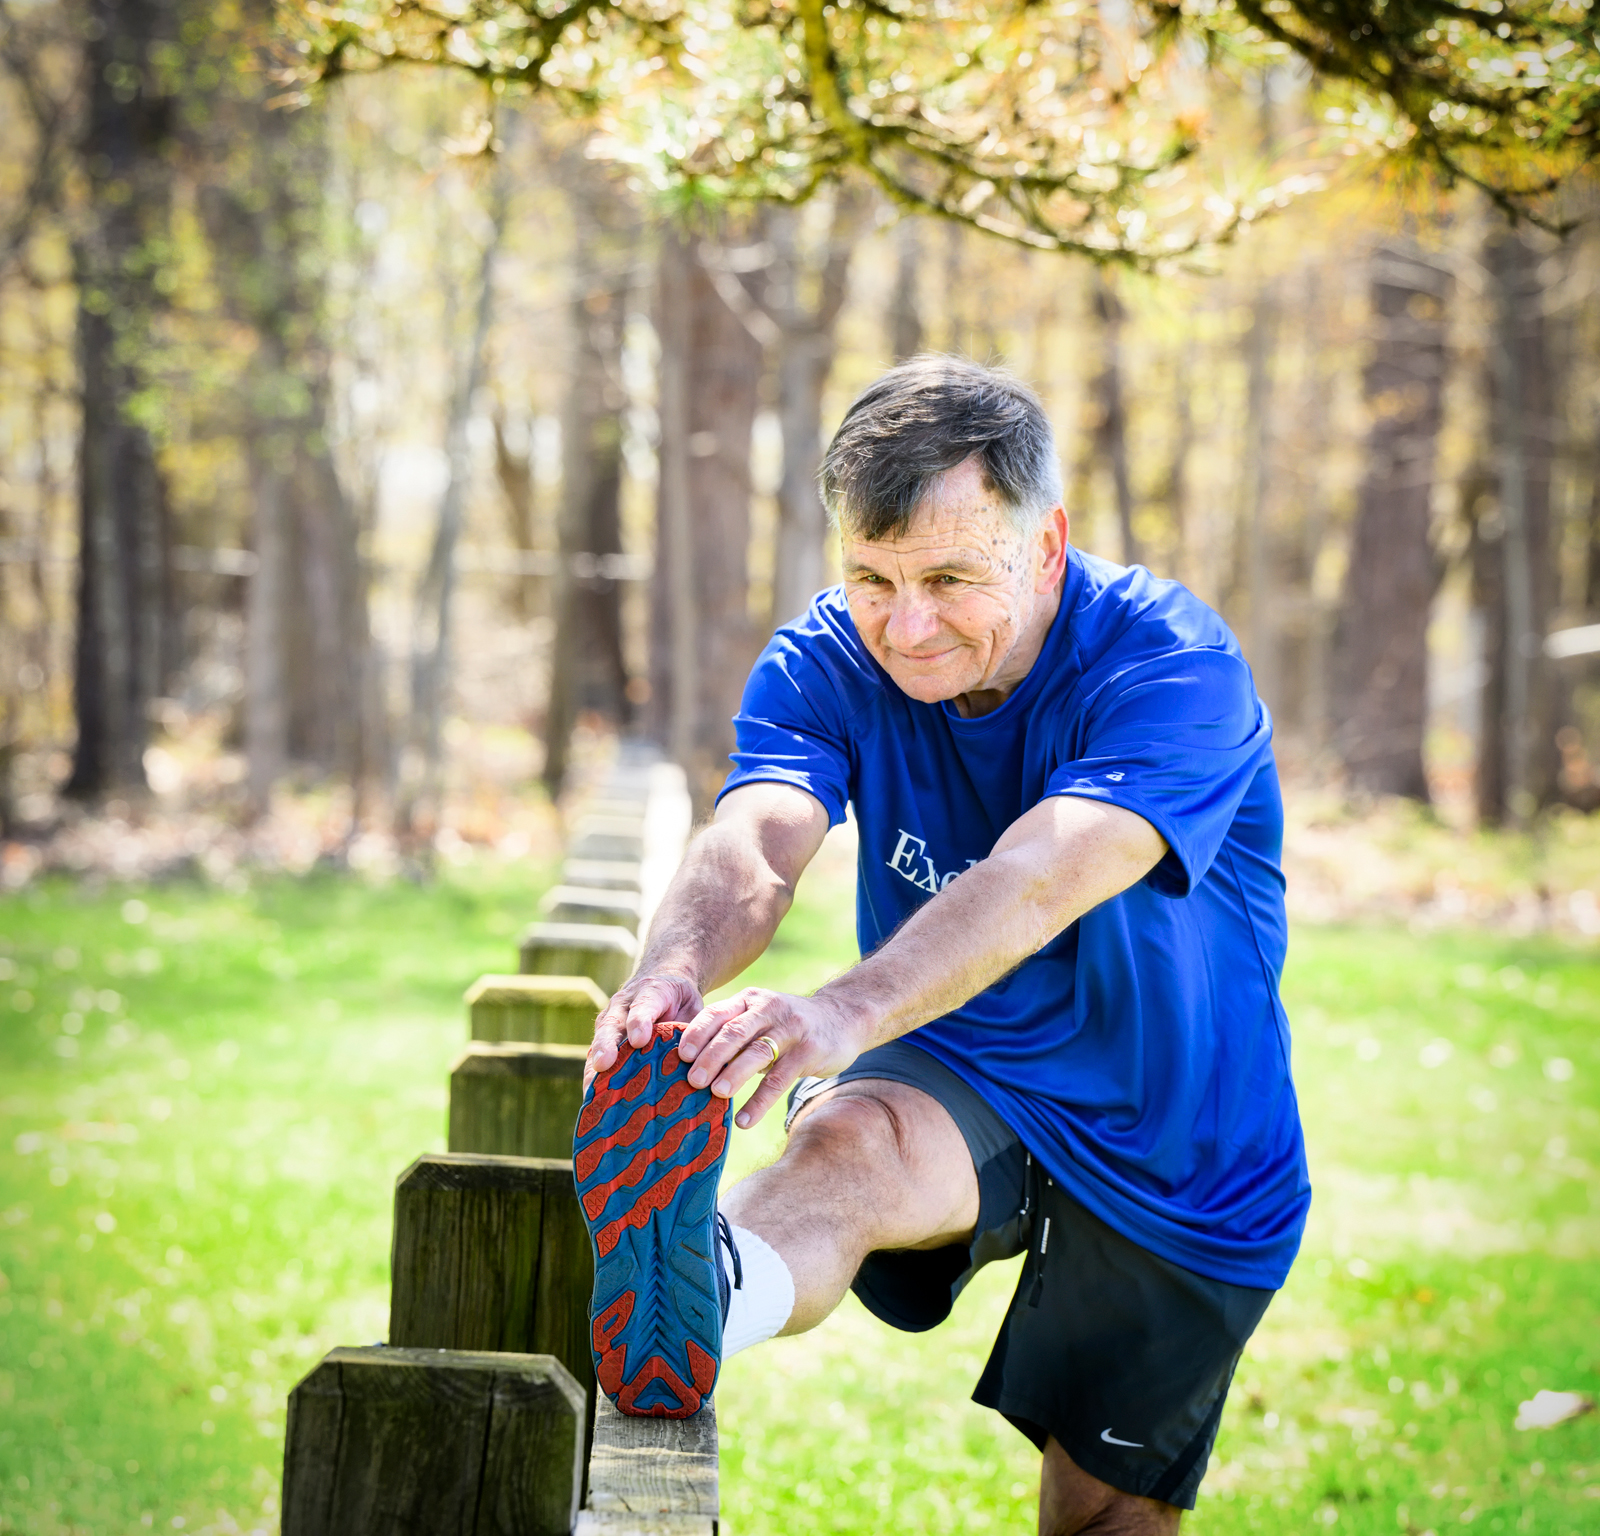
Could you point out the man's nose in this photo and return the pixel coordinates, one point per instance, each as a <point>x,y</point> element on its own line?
<point>913,620</point>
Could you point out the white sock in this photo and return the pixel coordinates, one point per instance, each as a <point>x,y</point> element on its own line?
<point>764,1297</point>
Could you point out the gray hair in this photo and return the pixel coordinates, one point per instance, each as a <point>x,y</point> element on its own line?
<point>918,422</point>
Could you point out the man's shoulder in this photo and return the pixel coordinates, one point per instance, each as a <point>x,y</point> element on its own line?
<point>824,636</point>
<point>823,657</point>
<point>1124,615</point>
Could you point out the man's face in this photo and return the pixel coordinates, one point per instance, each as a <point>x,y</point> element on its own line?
<point>953,605</point>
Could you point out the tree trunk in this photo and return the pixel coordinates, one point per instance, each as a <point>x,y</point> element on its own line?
<point>1591,555</point>
<point>1516,758</point>
<point>308,633</point>
<point>711,368</point>
<point>806,347</point>
<point>514,470</point>
<point>905,312</point>
<point>1253,546</point>
<point>124,584</point>
<point>434,601</point>
<point>674,636</point>
<point>1111,413</point>
<point>1380,693</point>
<point>587,667</point>
<point>1175,490</point>
<point>266,717</point>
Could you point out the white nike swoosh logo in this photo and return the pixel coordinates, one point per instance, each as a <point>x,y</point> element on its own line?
<point>1111,1439</point>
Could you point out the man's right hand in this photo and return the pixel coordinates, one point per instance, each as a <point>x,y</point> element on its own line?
<point>633,1013</point>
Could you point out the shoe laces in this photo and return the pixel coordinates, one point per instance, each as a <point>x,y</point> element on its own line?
<point>725,1237</point>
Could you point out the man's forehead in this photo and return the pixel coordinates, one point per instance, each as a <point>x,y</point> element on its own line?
<point>960,519</point>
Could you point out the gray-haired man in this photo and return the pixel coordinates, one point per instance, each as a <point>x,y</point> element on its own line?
<point>1064,1038</point>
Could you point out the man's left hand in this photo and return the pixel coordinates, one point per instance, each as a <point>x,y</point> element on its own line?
<point>735,1040</point>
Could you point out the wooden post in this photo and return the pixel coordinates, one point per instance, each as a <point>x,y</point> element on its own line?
<point>615,805</point>
<point>385,1440</point>
<point>602,874</point>
<point>608,837</point>
<point>516,1100</point>
<point>492,1253</point>
<point>651,1477</point>
<point>580,904</point>
<point>545,1010</point>
<point>602,953</point>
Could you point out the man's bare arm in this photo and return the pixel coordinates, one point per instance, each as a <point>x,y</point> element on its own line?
<point>1053,864</point>
<point>719,913</point>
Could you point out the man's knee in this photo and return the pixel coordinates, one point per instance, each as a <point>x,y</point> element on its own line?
<point>892,1157</point>
<point>852,1125</point>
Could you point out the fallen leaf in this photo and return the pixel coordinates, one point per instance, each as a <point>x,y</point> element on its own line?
<point>1544,1410</point>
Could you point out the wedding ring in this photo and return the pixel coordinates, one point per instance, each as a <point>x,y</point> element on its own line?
<point>770,1044</point>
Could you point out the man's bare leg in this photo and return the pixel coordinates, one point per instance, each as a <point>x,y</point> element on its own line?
<point>1072,1502</point>
<point>870,1164</point>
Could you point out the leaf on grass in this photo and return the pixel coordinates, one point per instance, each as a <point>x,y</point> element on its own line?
<point>1544,1410</point>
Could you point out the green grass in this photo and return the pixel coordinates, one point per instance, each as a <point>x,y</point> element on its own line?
<point>195,1188</point>
<point>195,1202</point>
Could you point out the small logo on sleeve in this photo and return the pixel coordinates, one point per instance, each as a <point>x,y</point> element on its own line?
<point>1116,776</point>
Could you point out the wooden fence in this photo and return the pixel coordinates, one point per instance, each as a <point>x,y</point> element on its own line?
<point>479,1416</point>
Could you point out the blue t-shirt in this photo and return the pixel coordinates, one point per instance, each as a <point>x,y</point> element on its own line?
<point>1143,1054</point>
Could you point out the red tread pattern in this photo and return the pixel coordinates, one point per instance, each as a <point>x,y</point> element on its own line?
<point>654,1187</point>
<point>589,1159</point>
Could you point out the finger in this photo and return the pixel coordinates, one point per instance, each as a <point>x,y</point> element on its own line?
<point>705,1024</point>
<point>715,1055</point>
<point>771,1090</point>
<point>765,1013</point>
<point>753,1061</point>
<point>608,1036</point>
<point>654,1001</point>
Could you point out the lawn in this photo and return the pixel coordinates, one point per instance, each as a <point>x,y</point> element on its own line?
<point>205,1097</point>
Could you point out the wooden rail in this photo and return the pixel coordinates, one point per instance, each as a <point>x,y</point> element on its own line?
<point>652,1477</point>
<point>480,1416</point>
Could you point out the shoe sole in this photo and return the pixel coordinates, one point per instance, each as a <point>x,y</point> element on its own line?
<point>647,1156</point>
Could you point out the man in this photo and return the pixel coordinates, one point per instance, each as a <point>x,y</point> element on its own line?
<point>1064,1038</point>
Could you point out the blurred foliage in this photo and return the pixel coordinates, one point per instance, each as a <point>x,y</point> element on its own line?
<point>1064,126</point>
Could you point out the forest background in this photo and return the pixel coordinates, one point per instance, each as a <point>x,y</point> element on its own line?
<point>373,430</point>
<point>378,444</point>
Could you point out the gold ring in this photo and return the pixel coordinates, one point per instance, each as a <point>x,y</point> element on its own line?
<point>771,1045</point>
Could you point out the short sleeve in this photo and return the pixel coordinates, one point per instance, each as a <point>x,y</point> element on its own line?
<point>1178,740</point>
<point>790,728</point>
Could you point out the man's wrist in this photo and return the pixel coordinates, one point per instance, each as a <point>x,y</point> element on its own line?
<point>863,1020</point>
<point>673,969</point>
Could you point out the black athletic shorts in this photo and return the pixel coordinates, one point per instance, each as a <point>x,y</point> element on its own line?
<point>1124,1357</point>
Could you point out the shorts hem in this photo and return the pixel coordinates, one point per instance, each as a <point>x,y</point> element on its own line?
<point>1028,1420</point>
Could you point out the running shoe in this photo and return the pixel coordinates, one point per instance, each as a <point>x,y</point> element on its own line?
<point>647,1157</point>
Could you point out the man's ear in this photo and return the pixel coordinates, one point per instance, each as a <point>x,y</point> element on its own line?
<point>1053,538</point>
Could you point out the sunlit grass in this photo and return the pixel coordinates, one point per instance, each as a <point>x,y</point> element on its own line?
<point>202,1113</point>
<point>195,1196</point>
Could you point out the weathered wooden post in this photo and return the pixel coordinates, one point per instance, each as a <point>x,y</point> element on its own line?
<point>608,837</point>
<point>384,1440</point>
<point>651,1477</point>
<point>550,1010</point>
<point>473,1420</point>
<point>602,953</point>
<point>516,1100</point>
<point>616,803</point>
<point>589,904</point>
<point>491,1253</point>
<point>602,874</point>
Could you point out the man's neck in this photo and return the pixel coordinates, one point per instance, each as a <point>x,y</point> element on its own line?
<point>984,701</point>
